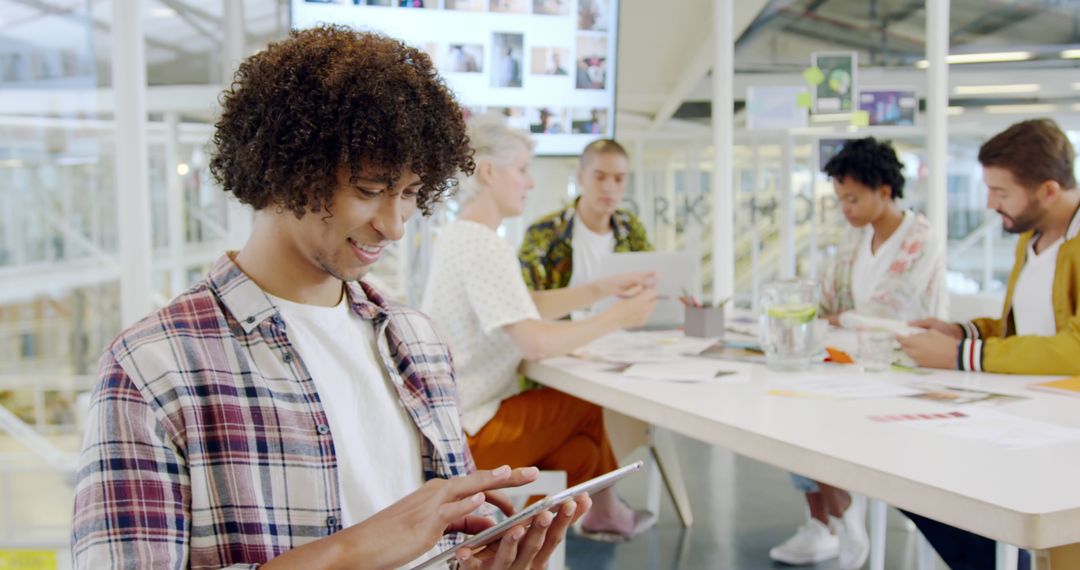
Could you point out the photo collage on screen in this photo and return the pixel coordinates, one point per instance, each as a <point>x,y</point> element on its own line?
<point>511,62</point>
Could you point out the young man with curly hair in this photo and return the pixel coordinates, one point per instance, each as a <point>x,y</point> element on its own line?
<point>281,411</point>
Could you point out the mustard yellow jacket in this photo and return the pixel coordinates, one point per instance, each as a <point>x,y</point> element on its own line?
<point>992,345</point>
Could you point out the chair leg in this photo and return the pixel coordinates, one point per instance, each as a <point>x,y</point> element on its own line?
<point>877,534</point>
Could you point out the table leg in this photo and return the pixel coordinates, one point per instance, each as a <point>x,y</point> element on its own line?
<point>1040,560</point>
<point>925,554</point>
<point>663,450</point>
<point>877,534</point>
<point>1007,555</point>
<point>652,484</point>
<point>627,434</point>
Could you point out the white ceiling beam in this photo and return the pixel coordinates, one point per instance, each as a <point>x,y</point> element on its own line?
<point>692,74</point>
<point>1053,82</point>
<point>746,11</point>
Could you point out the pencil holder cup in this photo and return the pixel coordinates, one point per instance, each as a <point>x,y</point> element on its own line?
<point>705,322</point>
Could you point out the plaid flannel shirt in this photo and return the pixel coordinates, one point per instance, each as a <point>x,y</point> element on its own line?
<point>207,445</point>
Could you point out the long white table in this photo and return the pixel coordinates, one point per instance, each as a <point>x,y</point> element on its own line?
<point>1025,497</point>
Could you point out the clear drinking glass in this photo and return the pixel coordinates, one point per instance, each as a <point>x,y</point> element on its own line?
<point>791,334</point>
<point>875,352</point>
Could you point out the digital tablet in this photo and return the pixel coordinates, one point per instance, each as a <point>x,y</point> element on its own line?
<point>676,272</point>
<point>550,502</point>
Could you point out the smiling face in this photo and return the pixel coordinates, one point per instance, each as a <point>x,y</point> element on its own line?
<point>861,204</point>
<point>364,216</point>
<point>1020,208</point>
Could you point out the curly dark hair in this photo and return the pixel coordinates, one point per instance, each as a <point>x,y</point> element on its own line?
<point>869,162</point>
<point>331,97</point>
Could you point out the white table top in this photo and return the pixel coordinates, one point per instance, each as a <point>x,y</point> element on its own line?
<point>1026,497</point>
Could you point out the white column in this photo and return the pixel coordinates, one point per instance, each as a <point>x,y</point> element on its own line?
<point>937,102</point>
<point>232,51</point>
<point>755,231</point>
<point>645,202</point>
<point>665,235</point>
<point>723,119</point>
<point>691,226</point>
<point>132,174</point>
<point>14,225</point>
<point>175,207</point>
<point>787,208</point>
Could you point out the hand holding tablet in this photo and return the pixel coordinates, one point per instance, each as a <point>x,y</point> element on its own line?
<point>528,527</point>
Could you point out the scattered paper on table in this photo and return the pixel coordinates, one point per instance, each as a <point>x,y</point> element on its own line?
<point>582,365</point>
<point>843,387</point>
<point>961,396</point>
<point>915,417</point>
<point>685,370</point>
<point>1066,386</point>
<point>642,347</point>
<point>734,351</point>
<point>996,427</point>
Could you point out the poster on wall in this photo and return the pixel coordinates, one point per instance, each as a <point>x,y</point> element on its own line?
<point>548,65</point>
<point>836,91</point>
<point>889,107</point>
<point>775,107</point>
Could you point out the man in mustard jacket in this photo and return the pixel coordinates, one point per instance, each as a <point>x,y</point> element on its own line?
<point>1028,170</point>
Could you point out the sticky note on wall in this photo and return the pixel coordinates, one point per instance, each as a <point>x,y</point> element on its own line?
<point>813,75</point>
<point>26,559</point>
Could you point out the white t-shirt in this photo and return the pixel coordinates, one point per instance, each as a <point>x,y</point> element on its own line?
<point>1033,297</point>
<point>1033,306</point>
<point>590,249</point>
<point>869,268</point>
<point>474,289</point>
<point>376,442</point>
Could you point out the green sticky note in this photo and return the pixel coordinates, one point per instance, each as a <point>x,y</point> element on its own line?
<point>813,75</point>
<point>26,559</point>
<point>860,119</point>
<point>803,100</point>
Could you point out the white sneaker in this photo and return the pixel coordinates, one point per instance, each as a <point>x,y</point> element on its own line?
<point>812,543</point>
<point>854,542</point>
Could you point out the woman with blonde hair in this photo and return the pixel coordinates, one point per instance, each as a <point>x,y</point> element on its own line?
<point>478,299</point>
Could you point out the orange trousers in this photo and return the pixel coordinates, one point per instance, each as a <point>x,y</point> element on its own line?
<point>550,430</point>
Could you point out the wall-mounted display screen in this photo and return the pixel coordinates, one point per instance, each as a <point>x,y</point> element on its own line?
<point>549,65</point>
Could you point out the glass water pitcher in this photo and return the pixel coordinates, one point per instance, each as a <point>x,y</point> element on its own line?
<point>791,334</point>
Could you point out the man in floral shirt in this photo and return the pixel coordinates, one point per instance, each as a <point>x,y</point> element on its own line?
<point>564,248</point>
